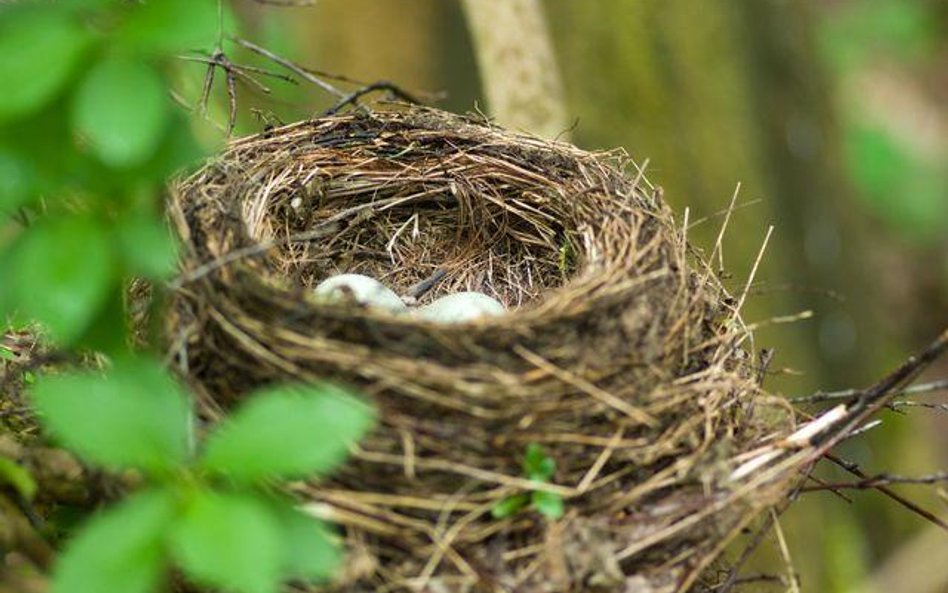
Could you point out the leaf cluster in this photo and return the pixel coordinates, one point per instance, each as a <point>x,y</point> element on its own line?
<point>537,467</point>
<point>208,508</point>
<point>88,135</point>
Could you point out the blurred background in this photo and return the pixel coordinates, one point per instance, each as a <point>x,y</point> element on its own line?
<point>830,116</point>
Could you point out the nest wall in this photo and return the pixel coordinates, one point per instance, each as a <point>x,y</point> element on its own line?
<point>621,353</point>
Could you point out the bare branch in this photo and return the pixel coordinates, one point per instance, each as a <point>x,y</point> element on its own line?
<point>854,469</point>
<point>825,396</point>
<point>298,70</point>
<point>913,404</point>
<point>382,85</point>
<point>880,480</point>
<point>231,101</point>
<point>206,88</point>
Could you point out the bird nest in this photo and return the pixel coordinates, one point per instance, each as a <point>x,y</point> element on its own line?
<point>620,355</point>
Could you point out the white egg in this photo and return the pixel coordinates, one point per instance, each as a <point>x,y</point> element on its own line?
<point>363,289</point>
<point>460,308</point>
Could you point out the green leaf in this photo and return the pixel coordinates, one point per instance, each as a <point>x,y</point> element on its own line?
<point>17,180</point>
<point>170,26</point>
<point>548,504</point>
<point>231,541</point>
<point>122,109</point>
<point>509,506</point>
<point>310,554</point>
<point>41,155</point>
<point>537,465</point>
<point>179,150</point>
<point>136,416</point>
<point>287,432</point>
<point>119,550</point>
<point>61,274</point>
<point>107,333</point>
<point>39,51</point>
<point>15,475</point>
<point>147,246</point>
<point>900,186</point>
<point>895,30</point>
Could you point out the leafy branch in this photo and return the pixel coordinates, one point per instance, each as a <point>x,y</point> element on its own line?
<point>89,135</point>
<point>209,509</point>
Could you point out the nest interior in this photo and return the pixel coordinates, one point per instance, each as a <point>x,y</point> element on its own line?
<point>621,354</point>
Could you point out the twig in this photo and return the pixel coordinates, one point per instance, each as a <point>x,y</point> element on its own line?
<point>718,244</point>
<point>230,257</point>
<point>758,537</point>
<point>785,553</point>
<point>775,512</point>
<point>912,404</point>
<point>754,268</point>
<point>871,400</point>
<point>845,394</point>
<point>298,70</point>
<point>245,70</point>
<point>206,89</point>
<point>418,290</point>
<point>753,578</point>
<point>762,288</point>
<point>853,468</point>
<point>232,72</point>
<point>323,229</point>
<point>764,357</point>
<point>724,212</point>
<point>828,488</point>
<point>231,101</point>
<point>880,480</point>
<point>382,85</point>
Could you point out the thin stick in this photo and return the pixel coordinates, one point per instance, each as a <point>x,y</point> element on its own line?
<point>785,552</point>
<point>754,543</point>
<point>912,404</point>
<point>382,85</point>
<point>250,251</point>
<point>723,212</point>
<point>880,480</point>
<point>825,396</point>
<point>298,70</point>
<point>753,272</point>
<point>871,400</point>
<point>901,500</point>
<point>418,290</point>
<point>718,244</point>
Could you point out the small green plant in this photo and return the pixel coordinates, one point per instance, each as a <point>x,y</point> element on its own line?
<point>567,259</point>
<point>537,467</point>
<point>211,510</point>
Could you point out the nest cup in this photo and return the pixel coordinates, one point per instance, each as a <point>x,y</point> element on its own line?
<point>620,354</point>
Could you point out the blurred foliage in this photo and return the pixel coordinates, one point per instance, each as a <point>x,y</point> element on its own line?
<point>904,182</point>
<point>857,34</point>
<point>909,193</point>
<point>88,137</point>
<point>91,129</point>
